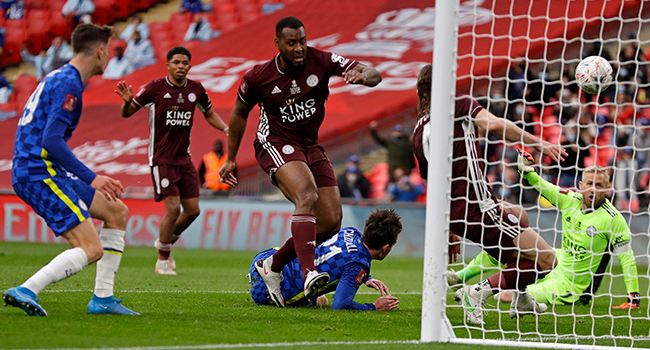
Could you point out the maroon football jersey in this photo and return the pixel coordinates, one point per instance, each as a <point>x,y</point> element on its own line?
<point>421,145</point>
<point>292,106</point>
<point>171,115</point>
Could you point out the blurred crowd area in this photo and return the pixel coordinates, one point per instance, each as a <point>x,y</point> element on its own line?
<point>611,129</point>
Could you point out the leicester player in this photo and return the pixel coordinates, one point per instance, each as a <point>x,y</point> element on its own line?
<point>346,257</point>
<point>291,90</point>
<point>61,189</point>
<point>172,101</point>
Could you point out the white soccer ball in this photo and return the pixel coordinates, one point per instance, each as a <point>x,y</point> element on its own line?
<point>594,74</point>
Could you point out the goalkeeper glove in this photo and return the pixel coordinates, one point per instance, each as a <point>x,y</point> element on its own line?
<point>524,162</point>
<point>633,302</point>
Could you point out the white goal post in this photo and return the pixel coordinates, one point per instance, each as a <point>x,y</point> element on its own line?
<point>517,59</point>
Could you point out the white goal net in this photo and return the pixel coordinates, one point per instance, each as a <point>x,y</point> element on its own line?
<point>517,58</point>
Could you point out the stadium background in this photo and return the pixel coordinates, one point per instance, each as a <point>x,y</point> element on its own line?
<point>393,36</point>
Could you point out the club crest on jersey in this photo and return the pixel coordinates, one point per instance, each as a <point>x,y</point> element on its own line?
<point>191,97</point>
<point>513,218</point>
<point>289,101</point>
<point>180,98</point>
<point>288,149</point>
<point>591,231</point>
<point>164,183</point>
<point>70,103</point>
<point>312,80</point>
<point>82,205</point>
<point>295,89</point>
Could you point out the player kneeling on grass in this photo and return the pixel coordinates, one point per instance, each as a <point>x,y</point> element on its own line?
<point>61,189</point>
<point>346,257</point>
<point>592,229</point>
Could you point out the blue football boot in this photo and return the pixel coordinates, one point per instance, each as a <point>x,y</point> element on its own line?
<point>23,298</point>
<point>108,305</point>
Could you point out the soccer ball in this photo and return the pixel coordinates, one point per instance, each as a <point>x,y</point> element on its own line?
<point>593,74</point>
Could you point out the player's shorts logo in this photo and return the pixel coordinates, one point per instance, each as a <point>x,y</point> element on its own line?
<point>591,231</point>
<point>82,205</point>
<point>288,149</point>
<point>164,183</point>
<point>191,97</point>
<point>312,80</point>
<point>513,218</point>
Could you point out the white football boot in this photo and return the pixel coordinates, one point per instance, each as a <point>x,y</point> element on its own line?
<point>172,262</point>
<point>271,279</point>
<point>524,304</point>
<point>473,304</point>
<point>453,281</point>
<point>163,268</point>
<point>315,283</point>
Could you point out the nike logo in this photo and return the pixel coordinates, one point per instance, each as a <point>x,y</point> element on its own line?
<point>104,307</point>
<point>469,306</point>
<point>265,272</point>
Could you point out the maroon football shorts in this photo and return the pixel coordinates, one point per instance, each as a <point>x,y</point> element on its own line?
<point>494,230</point>
<point>175,180</point>
<point>275,152</point>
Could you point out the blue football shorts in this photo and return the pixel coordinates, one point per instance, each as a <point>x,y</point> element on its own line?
<point>62,201</point>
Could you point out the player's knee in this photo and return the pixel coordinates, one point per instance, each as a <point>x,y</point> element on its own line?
<point>94,252</point>
<point>193,213</point>
<point>307,200</point>
<point>120,215</point>
<point>547,260</point>
<point>173,211</point>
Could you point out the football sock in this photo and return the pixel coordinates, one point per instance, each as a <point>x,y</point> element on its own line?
<point>62,266</point>
<point>164,250</point>
<point>284,255</point>
<point>113,243</point>
<point>303,230</point>
<point>480,263</point>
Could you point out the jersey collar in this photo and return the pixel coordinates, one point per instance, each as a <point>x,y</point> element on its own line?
<point>172,85</point>
<point>277,65</point>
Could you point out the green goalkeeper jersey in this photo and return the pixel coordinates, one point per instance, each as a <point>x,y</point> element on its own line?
<point>588,240</point>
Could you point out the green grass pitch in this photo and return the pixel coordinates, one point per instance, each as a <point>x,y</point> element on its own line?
<point>207,306</point>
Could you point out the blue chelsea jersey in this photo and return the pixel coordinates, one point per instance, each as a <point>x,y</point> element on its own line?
<point>57,96</point>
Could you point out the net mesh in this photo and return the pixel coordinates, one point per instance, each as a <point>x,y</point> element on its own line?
<point>518,59</point>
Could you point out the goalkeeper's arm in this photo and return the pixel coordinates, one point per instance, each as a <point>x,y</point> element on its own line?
<point>548,190</point>
<point>625,256</point>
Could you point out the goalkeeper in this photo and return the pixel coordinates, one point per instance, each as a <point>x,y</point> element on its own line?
<point>592,229</point>
<point>346,257</point>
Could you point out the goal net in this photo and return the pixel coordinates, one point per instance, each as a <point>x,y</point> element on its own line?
<point>518,59</point>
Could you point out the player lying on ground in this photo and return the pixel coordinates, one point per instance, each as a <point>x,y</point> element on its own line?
<point>474,210</point>
<point>592,230</point>
<point>346,257</point>
<point>61,189</point>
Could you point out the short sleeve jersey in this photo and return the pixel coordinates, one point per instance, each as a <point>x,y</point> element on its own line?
<point>344,257</point>
<point>421,136</point>
<point>470,194</point>
<point>58,96</point>
<point>171,115</point>
<point>292,106</point>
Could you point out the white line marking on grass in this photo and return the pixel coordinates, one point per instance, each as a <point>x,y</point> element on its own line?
<point>191,291</point>
<point>253,345</point>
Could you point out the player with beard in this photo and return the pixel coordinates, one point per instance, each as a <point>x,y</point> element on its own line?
<point>61,189</point>
<point>475,211</point>
<point>172,101</point>
<point>291,90</point>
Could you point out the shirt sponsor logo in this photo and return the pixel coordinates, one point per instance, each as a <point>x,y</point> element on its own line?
<point>298,111</point>
<point>288,149</point>
<point>178,118</point>
<point>312,80</point>
<point>70,103</point>
<point>591,231</point>
<point>191,97</point>
<point>361,276</point>
<point>295,89</point>
<point>167,95</point>
<point>164,183</point>
<point>276,90</point>
<point>342,61</point>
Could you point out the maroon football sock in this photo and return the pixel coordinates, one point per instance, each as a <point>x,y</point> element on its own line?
<point>303,230</point>
<point>284,255</point>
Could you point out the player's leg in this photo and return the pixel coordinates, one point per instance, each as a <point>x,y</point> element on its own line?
<point>328,212</point>
<point>164,242</point>
<point>115,215</point>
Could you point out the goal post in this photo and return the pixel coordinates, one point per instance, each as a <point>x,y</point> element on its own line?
<point>517,59</point>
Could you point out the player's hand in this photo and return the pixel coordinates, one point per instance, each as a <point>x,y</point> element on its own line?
<point>633,302</point>
<point>524,162</point>
<point>322,301</point>
<point>353,76</point>
<point>454,247</point>
<point>125,92</point>
<point>556,152</point>
<point>111,188</point>
<point>386,303</point>
<point>226,173</point>
<point>378,285</point>
<point>226,130</point>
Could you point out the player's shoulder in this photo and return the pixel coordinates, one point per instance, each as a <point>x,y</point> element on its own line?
<point>424,120</point>
<point>193,84</point>
<point>609,210</point>
<point>466,106</point>
<point>64,79</point>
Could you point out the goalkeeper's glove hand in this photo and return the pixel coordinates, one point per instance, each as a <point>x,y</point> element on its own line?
<point>524,162</point>
<point>633,302</point>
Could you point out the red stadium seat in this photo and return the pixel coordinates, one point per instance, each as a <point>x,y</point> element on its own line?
<point>25,84</point>
<point>124,9</point>
<point>113,43</point>
<point>104,11</point>
<point>59,26</point>
<point>37,4</point>
<point>181,20</point>
<point>161,49</point>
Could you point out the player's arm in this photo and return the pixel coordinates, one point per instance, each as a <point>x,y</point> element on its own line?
<point>215,120</point>
<point>362,74</point>
<point>511,132</point>
<point>623,250</point>
<point>58,150</point>
<point>559,198</point>
<point>347,289</point>
<point>128,108</point>
<point>236,128</point>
